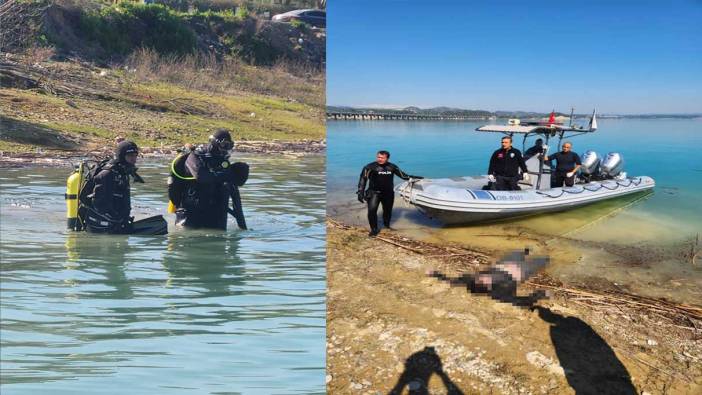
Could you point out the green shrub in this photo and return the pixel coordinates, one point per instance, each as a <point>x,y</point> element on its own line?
<point>121,28</point>
<point>298,24</point>
<point>242,12</point>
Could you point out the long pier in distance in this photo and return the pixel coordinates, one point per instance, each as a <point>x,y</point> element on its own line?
<point>400,116</point>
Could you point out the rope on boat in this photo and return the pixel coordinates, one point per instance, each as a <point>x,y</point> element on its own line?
<point>632,181</point>
<point>405,190</point>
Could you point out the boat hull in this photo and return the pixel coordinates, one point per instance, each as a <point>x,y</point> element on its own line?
<point>458,201</point>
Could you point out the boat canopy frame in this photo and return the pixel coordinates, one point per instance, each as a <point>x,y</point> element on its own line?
<point>548,130</point>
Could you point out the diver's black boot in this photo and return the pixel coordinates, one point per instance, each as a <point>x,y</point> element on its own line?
<point>387,226</point>
<point>373,232</point>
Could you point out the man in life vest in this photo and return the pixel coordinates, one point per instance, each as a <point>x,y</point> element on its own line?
<point>201,183</point>
<point>106,196</point>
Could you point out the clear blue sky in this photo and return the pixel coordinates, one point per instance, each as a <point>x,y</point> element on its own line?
<point>618,56</point>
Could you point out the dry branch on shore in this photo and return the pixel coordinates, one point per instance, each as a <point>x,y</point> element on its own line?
<point>671,314</point>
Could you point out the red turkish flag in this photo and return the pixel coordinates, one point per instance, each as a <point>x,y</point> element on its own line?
<point>552,118</point>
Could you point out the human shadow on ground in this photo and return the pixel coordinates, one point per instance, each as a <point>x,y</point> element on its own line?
<point>590,364</point>
<point>419,367</point>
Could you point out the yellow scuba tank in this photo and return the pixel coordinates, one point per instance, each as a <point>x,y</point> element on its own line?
<point>176,180</point>
<point>171,207</point>
<point>73,184</point>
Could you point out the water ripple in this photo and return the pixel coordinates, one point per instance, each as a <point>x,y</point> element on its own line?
<point>194,311</point>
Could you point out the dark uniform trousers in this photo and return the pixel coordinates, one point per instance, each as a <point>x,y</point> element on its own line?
<point>560,177</point>
<point>503,183</point>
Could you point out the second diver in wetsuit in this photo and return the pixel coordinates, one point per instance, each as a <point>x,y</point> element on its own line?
<point>199,183</point>
<point>379,177</point>
<point>106,199</point>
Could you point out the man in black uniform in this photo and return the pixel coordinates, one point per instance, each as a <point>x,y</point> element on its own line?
<point>505,163</point>
<point>538,148</point>
<point>567,164</point>
<point>379,176</point>
<point>202,200</point>
<point>107,196</point>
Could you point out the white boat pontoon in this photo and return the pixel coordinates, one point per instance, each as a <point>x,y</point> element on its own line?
<point>463,200</point>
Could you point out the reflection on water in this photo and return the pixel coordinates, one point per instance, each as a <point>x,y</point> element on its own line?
<point>190,312</point>
<point>640,242</point>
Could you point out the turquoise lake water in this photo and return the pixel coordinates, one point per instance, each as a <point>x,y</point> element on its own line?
<point>665,149</point>
<point>193,312</point>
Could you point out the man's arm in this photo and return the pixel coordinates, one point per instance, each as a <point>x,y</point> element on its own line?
<point>363,179</point>
<point>396,170</point>
<point>550,159</point>
<point>520,161</point>
<point>493,160</point>
<point>578,164</point>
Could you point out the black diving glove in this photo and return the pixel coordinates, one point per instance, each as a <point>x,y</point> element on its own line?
<point>361,196</point>
<point>136,177</point>
<point>238,173</point>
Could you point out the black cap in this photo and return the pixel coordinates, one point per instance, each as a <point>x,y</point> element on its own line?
<point>124,148</point>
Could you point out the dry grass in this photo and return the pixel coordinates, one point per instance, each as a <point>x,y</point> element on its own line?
<point>36,54</point>
<point>288,80</point>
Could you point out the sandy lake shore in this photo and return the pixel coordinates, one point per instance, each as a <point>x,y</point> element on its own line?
<point>391,328</point>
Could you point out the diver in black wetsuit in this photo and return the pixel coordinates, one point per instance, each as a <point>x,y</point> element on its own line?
<point>379,176</point>
<point>106,195</point>
<point>198,185</point>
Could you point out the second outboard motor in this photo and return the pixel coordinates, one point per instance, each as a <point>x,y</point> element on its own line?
<point>590,163</point>
<point>612,165</point>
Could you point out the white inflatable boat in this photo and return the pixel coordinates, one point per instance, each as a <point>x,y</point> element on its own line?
<point>464,200</point>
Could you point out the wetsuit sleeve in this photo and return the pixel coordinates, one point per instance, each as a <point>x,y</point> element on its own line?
<point>363,179</point>
<point>102,194</point>
<point>396,171</point>
<point>577,159</point>
<point>493,159</point>
<point>520,160</point>
<point>201,173</point>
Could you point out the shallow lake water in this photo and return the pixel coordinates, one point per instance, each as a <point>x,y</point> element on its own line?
<point>639,243</point>
<point>206,312</point>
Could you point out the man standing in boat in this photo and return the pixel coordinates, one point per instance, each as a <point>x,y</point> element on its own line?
<point>379,176</point>
<point>567,164</point>
<point>537,149</point>
<point>505,164</point>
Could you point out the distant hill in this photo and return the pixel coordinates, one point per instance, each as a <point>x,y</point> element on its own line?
<point>443,111</point>
<point>450,111</point>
